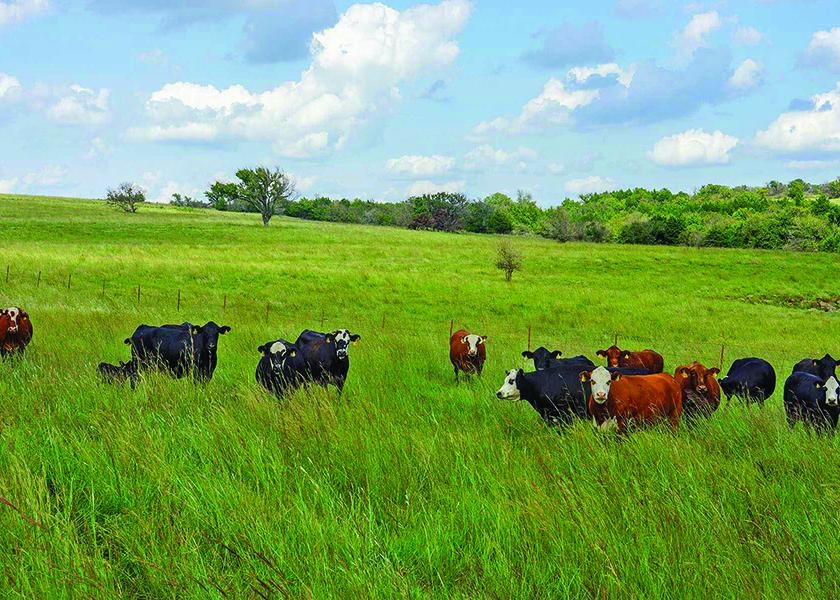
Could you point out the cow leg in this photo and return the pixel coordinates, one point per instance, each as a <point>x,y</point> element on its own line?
<point>457,378</point>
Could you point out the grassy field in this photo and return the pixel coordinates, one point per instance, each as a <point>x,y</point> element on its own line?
<point>408,485</point>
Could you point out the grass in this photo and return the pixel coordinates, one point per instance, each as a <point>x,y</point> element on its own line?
<point>408,485</point>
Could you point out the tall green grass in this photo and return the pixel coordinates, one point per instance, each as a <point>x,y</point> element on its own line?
<point>408,485</point>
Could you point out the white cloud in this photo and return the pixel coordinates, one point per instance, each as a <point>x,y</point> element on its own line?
<point>418,188</point>
<point>590,185</point>
<point>808,165</point>
<point>747,76</point>
<point>815,129</point>
<point>98,149</point>
<point>823,50</point>
<point>420,166</point>
<point>688,40</point>
<point>583,74</point>
<point>747,36</point>
<point>153,57</point>
<point>556,168</point>
<point>304,184</point>
<point>357,66</point>
<point>48,176</point>
<point>488,157</point>
<point>164,193</point>
<point>81,106</point>
<point>8,86</point>
<point>7,186</point>
<point>693,147</point>
<point>16,11</point>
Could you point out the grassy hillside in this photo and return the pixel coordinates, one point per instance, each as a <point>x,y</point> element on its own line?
<point>408,485</point>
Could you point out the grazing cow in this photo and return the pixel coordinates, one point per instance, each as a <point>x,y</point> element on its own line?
<point>811,400</point>
<point>556,394</point>
<point>281,367</point>
<point>117,373</point>
<point>326,356</point>
<point>546,359</point>
<point>15,330</point>
<point>179,350</point>
<point>700,389</point>
<point>751,379</point>
<point>643,359</point>
<point>467,352</point>
<point>823,368</point>
<point>644,399</point>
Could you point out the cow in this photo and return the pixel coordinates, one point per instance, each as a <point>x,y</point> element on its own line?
<point>179,350</point>
<point>281,368</point>
<point>467,353</point>
<point>751,379</point>
<point>644,399</point>
<point>823,368</point>
<point>326,356</point>
<point>15,331</point>
<point>546,359</point>
<point>643,359</point>
<point>117,373</point>
<point>700,389</point>
<point>556,394</point>
<point>811,400</point>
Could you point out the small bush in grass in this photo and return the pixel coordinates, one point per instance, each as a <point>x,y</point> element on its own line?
<point>126,197</point>
<point>508,260</point>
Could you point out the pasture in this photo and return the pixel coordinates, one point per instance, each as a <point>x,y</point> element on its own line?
<point>408,485</point>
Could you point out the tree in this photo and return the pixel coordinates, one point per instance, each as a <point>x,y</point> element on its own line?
<point>834,189</point>
<point>222,196</point>
<point>126,197</point>
<point>508,260</point>
<point>265,190</point>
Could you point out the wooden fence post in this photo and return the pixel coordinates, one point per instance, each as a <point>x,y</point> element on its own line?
<point>451,324</point>
<point>529,338</point>
<point>383,322</point>
<point>69,277</point>
<point>179,299</point>
<point>103,288</point>
<point>224,305</point>
<point>37,285</point>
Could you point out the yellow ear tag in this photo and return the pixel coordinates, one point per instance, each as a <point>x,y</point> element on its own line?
<point>819,385</point>
<point>294,353</point>
<point>685,374</point>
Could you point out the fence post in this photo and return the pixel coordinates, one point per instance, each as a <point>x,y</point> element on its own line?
<point>103,288</point>
<point>529,338</point>
<point>451,324</point>
<point>37,285</point>
<point>383,322</point>
<point>224,305</point>
<point>69,277</point>
<point>179,299</point>
<point>722,347</point>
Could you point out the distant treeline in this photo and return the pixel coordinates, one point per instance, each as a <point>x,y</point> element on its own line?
<point>796,216</point>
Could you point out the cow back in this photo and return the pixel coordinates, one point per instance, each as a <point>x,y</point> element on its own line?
<point>645,398</point>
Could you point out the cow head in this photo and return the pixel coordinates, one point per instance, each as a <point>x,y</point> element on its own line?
<point>510,387</point>
<point>342,338</point>
<point>600,381</point>
<point>15,318</point>
<point>695,377</point>
<point>825,366</point>
<point>210,333</point>
<point>832,391</point>
<point>279,353</point>
<point>473,341</point>
<point>542,357</point>
<point>612,355</point>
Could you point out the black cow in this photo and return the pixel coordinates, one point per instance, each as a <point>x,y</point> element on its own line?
<point>823,368</point>
<point>547,359</point>
<point>281,367</point>
<point>326,356</point>
<point>556,394</point>
<point>811,400</point>
<point>180,350</point>
<point>117,373</point>
<point>751,379</point>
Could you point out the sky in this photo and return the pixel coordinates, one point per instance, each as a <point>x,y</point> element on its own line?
<point>384,100</point>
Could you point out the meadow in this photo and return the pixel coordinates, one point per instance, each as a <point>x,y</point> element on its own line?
<point>407,485</point>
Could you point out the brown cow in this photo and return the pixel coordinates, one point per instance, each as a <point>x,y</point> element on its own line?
<point>15,330</point>
<point>645,399</point>
<point>467,352</point>
<point>700,389</point>
<point>627,359</point>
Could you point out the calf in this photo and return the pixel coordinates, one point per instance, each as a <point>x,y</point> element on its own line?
<point>823,368</point>
<point>326,356</point>
<point>15,331</point>
<point>179,350</point>
<point>281,368</point>
<point>467,352</point>
<point>556,394</point>
<point>700,389</point>
<point>751,379</point>
<point>643,359</point>
<point>118,374</point>
<point>645,399</point>
<point>811,400</point>
<point>546,359</point>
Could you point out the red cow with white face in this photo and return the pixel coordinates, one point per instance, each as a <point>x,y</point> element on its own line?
<point>467,352</point>
<point>15,330</point>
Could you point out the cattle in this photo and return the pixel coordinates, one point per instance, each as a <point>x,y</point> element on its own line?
<point>179,350</point>
<point>751,379</point>
<point>556,394</point>
<point>644,399</point>
<point>811,400</point>
<point>823,368</point>
<point>700,389</point>
<point>546,359</point>
<point>281,368</point>
<point>326,356</point>
<point>643,359</point>
<point>467,353</point>
<point>15,331</point>
<point>118,374</point>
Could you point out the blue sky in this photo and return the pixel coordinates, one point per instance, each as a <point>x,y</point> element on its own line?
<point>383,100</point>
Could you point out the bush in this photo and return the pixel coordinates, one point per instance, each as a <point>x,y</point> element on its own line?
<point>126,197</point>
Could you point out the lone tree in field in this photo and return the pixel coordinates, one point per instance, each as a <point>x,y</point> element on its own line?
<point>265,190</point>
<point>508,260</point>
<point>126,197</point>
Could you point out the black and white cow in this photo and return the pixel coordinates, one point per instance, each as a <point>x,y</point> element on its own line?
<point>547,359</point>
<point>281,368</point>
<point>179,350</point>
<point>326,356</point>
<point>556,394</point>
<point>823,368</point>
<point>811,400</point>
<point>751,379</point>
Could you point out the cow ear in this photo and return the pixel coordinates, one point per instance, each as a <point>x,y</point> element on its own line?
<point>683,371</point>
<point>616,375</point>
<point>520,372</point>
<point>556,354</point>
<point>464,340</point>
<point>527,354</point>
<point>263,349</point>
<point>223,329</point>
<point>713,371</point>
<point>585,376</point>
<point>330,338</point>
<point>601,353</point>
<point>355,337</point>
<point>815,363</point>
<point>837,362</point>
<point>483,339</point>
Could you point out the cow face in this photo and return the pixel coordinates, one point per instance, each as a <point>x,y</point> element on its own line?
<point>211,333</point>
<point>542,357</point>
<point>695,377</point>
<point>825,366</point>
<point>600,381</point>
<point>473,341</point>
<point>15,317</point>
<point>278,353</point>
<point>342,338</point>
<point>832,391</point>
<point>612,355</point>
<point>510,389</point>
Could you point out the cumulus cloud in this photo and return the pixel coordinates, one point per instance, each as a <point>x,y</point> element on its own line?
<point>823,51</point>
<point>357,67</point>
<point>814,129</point>
<point>420,166</point>
<point>747,36</point>
<point>693,147</point>
<point>487,157</point>
<point>17,11</point>
<point>48,176</point>
<point>418,188</point>
<point>9,86</point>
<point>747,76</point>
<point>590,185</point>
<point>81,106</point>
<point>694,35</point>
<point>7,186</point>
<point>570,44</point>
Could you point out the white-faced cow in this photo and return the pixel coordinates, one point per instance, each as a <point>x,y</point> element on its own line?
<point>326,356</point>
